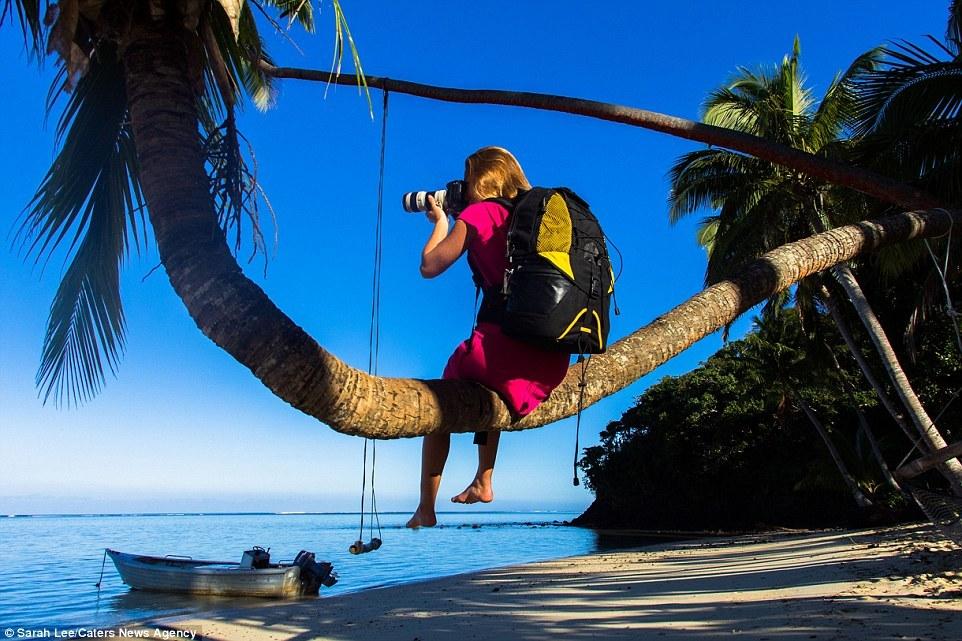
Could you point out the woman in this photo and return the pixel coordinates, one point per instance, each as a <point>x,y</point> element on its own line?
<point>522,374</point>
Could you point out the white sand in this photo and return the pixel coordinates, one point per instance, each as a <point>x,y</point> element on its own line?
<point>879,585</point>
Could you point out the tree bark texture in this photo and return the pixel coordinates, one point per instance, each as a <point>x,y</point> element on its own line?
<point>239,317</point>
<point>923,464</point>
<point>920,418</point>
<point>853,177</point>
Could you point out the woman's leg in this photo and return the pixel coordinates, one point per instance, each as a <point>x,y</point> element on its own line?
<point>434,454</point>
<point>481,490</point>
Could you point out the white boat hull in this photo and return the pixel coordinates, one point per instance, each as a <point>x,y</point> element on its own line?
<point>186,576</point>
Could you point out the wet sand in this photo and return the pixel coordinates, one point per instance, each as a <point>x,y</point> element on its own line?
<point>885,585</point>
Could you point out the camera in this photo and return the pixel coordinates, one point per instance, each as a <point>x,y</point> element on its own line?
<point>452,199</point>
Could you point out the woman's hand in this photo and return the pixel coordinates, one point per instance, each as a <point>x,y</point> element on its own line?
<point>442,249</point>
<point>434,213</point>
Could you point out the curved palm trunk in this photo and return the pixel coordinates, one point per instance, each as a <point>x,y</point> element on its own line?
<point>239,317</point>
<point>952,469</point>
<point>852,177</point>
<point>860,499</point>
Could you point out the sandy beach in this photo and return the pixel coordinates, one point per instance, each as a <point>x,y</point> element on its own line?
<point>893,584</point>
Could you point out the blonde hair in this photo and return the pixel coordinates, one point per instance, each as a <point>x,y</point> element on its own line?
<point>492,172</point>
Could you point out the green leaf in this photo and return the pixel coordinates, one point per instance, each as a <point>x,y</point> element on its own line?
<point>342,30</point>
<point>232,9</point>
<point>28,15</point>
<point>91,198</point>
<point>300,11</point>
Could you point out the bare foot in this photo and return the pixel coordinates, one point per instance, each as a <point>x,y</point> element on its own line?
<point>422,518</point>
<point>475,493</point>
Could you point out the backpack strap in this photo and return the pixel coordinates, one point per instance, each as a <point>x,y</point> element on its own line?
<point>492,303</point>
<point>507,203</point>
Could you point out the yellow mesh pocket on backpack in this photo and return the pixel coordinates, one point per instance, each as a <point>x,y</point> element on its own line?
<point>554,235</point>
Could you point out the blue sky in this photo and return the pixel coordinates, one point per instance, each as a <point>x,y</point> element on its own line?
<point>183,427</point>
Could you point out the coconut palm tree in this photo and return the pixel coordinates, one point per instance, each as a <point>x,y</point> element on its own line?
<point>908,112</point>
<point>172,73</point>
<point>908,123</point>
<point>760,206</point>
<point>92,197</point>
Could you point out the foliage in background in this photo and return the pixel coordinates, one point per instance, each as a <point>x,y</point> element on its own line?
<point>722,448</point>
<point>89,207</point>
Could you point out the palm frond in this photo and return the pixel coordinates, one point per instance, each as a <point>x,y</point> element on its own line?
<point>892,261</point>
<point>299,11</point>
<point>342,31</point>
<point>734,108</point>
<point>231,164</point>
<point>234,57</point>
<point>704,178</point>
<point>749,225</point>
<point>910,87</point>
<point>953,33</point>
<point>86,329</point>
<point>838,109</point>
<point>234,186</point>
<point>31,23</point>
<point>796,99</point>
<point>706,232</point>
<point>92,197</point>
<point>772,102</point>
<point>909,118</point>
<point>259,85</point>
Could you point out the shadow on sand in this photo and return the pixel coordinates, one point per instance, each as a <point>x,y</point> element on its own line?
<point>894,585</point>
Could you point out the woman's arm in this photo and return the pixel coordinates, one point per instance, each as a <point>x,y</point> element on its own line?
<point>442,248</point>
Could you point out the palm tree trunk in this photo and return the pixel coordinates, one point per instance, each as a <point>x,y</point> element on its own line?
<point>233,311</point>
<point>877,451</point>
<point>860,499</point>
<point>239,317</point>
<point>852,177</point>
<point>843,329</point>
<point>951,469</point>
<point>921,465</point>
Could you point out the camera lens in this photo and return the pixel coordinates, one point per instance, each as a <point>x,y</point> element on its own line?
<point>415,201</point>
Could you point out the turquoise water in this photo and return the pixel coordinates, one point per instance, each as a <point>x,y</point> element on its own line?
<point>50,564</point>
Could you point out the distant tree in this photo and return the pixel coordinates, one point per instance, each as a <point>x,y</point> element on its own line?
<point>779,346</point>
<point>726,446</point>
<point>761,206</point>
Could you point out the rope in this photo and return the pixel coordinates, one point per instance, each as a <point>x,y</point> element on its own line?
<point>102,564</point>
<point>581,399</point>
<point>363,489</point>
<point>374,335</point>
<point>376,516</point>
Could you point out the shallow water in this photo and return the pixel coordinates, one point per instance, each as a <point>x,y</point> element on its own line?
<point>50,564</point>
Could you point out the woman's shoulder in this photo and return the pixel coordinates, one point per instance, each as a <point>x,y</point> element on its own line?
<point>483,216</point>
<point>485,208</point>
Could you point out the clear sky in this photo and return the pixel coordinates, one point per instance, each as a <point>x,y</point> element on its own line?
<point>183,427</point>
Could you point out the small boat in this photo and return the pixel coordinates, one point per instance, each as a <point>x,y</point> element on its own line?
<point>254,576</point>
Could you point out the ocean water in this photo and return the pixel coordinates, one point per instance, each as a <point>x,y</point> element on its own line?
<point>50,564</point>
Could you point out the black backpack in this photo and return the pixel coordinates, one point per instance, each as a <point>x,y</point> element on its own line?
<point>559,280</point>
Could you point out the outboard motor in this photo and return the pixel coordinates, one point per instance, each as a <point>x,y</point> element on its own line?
<point>314,574</point>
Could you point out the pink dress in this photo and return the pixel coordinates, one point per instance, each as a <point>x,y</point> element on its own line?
<point>522,374</point>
